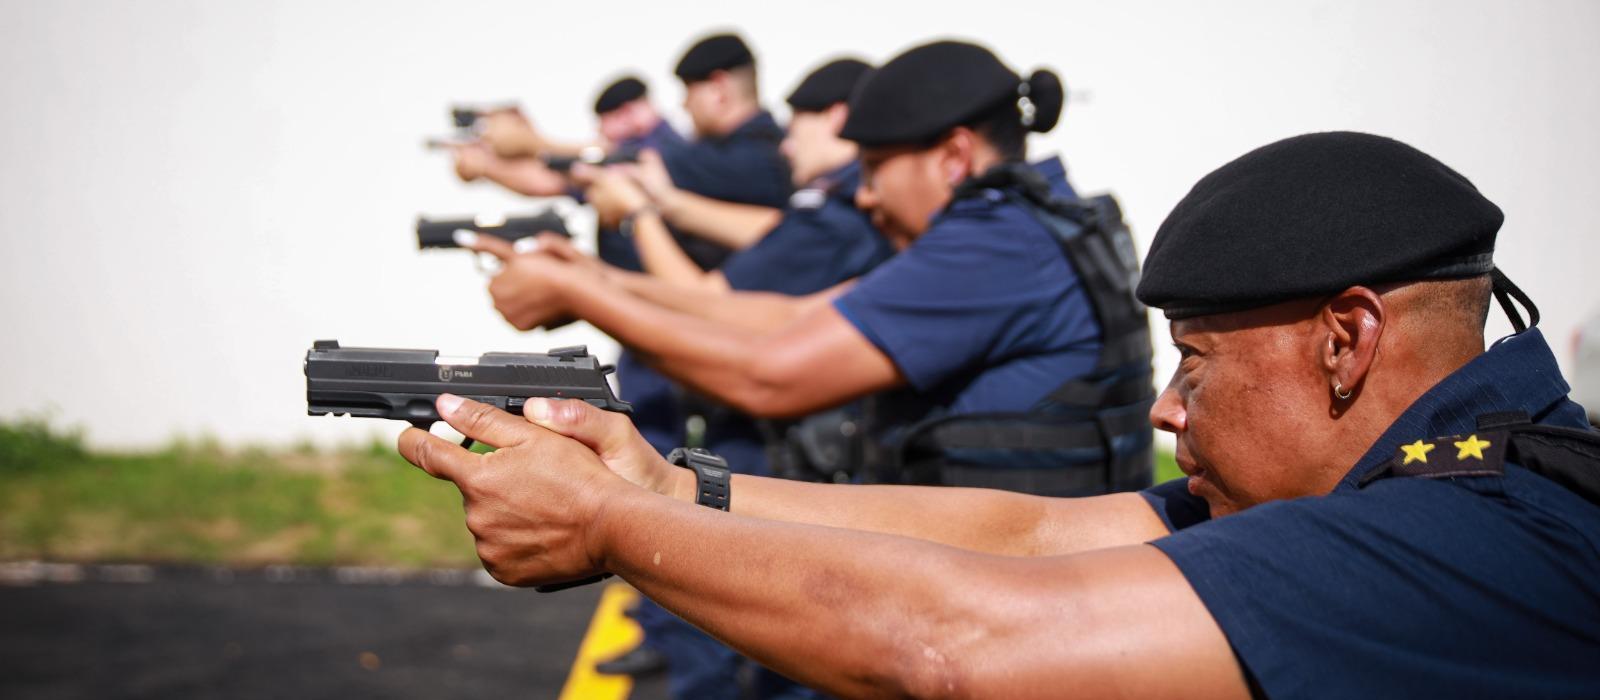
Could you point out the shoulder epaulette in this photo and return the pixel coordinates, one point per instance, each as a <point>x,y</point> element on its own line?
<point>1478,454</point>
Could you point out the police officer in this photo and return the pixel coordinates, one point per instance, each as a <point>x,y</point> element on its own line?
<point>510,149</point>
<point>990,318</point>
<point>734,157</point>
<point>821,240</point>
<point>1376,505</point>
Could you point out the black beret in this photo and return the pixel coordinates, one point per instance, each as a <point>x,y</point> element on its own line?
<point>828,85</point>
<point>711,54</point>
<point>1313,215</point>
<point>618,94</point>
<point>933,88</point>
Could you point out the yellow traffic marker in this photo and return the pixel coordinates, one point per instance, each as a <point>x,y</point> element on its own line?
<point>610,633</point>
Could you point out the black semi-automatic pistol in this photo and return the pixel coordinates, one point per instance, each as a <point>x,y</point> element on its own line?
<point>440,233</point>
<point>402,384</point>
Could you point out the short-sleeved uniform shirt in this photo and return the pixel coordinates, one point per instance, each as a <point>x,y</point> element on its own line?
<point>613,247</point>
<point>822,240</point>
<point>1484,586</point>
<point>983,312</point>
<point>744,166</point>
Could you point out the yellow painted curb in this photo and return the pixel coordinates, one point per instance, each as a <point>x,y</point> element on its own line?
<point>610,633</point>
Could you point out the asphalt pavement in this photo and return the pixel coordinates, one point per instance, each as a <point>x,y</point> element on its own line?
<point>188,632</point>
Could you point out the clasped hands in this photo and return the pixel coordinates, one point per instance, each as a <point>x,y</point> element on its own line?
<point>541,504</point>
<point>531,288</point>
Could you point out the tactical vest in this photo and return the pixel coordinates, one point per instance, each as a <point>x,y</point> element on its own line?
<point>1092,434</point>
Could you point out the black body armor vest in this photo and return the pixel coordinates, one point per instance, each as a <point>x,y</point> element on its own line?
<point>1092,434</point>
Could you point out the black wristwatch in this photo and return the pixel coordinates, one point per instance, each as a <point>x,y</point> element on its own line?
<point>711,475</point>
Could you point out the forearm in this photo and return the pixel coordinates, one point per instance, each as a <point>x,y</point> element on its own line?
<point>854,614</point>
<point>731,224</point>
<point>979,520</point>
<point>525,176</point>
<point>759,312</point>
<point>661,254</point>
<point>719,360</point>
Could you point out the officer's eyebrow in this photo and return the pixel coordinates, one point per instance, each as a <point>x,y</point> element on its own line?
<point>1185,349</point>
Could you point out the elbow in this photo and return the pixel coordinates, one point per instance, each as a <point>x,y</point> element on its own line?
<point>766,392</point>
<point>774,386</point>
<point>920,668</point>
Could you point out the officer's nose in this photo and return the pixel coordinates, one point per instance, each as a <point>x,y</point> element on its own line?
<point>1168,412</point>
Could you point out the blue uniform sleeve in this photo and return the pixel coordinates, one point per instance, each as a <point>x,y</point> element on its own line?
<point>1175,505</point>
<point>1408,588</point>
<point>744,170</point>
<point>974,291</point>
<point>808,251</point>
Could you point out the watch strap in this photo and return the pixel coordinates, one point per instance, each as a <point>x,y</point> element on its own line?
<point>711,473</point>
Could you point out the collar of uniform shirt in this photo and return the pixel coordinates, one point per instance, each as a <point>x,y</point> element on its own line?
<point>1519,373</point>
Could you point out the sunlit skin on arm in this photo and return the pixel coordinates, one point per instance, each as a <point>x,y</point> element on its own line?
<point>982,520</point>
<point>619,202</point>
<point>759,312</point>
<point>817,361</point>
<point>878,615</point>
<point>755,312</point>
<point>525,176</point>
<point>734,225</point>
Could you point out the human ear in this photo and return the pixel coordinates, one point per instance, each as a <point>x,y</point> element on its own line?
<point>956,154</point>
<point>1352,323</point>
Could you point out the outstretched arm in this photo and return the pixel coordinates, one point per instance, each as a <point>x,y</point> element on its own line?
<point>980,520</point>
<point>618,201</point>
<point>853,613</point>
<point>525,176</point>
<point>734,225</point>
<point>758,312</point>
<point>816,361</point>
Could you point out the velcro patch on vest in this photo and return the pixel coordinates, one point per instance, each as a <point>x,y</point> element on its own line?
<point>811,198</point>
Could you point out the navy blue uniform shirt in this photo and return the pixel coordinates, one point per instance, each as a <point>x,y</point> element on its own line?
<point>816,245</point>
<point>822,240</point>
<point>1483,587</point>
<point>983,312</point>
<point>744,166</point>
<point>610,244</point>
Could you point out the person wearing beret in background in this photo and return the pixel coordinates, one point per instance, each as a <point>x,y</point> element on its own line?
<point>1377,505</point>
<point>734,158</point>
<point>983,315</point>
<point>821,240</point>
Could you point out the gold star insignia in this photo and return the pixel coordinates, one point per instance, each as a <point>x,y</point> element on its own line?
<point>1416,452</point>
<point>1471,447</point>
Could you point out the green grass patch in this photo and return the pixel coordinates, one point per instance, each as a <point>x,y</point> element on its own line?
<point>1166,467</point>
<point>193,502</point>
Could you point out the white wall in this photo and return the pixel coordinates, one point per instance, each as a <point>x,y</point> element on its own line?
<point>191,193</point>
